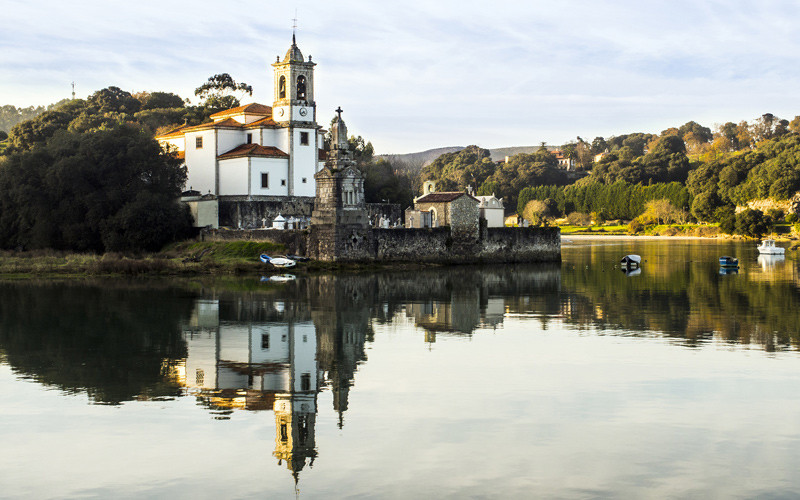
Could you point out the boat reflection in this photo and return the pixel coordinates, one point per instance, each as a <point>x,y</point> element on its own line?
<point>770,262</point>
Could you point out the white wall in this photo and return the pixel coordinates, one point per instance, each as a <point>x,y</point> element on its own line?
<point>229,139</point>
<point>233,177</point>
<point>305,163</point>
<point>305,355</point>
<point>277,168</point>
<point>494,217</point>
<point>175,144</point>
<point>278,351</point>
<point>201,359</point>
<point>275,138</point>
<point>201,162</point>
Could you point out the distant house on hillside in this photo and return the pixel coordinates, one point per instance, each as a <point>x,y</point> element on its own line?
<point>564,161</point>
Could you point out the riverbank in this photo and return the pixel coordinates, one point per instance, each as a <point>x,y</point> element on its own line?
<point>184,259</point>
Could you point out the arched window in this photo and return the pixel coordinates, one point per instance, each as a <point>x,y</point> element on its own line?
<point>301,87</point>
<point>282,87</point>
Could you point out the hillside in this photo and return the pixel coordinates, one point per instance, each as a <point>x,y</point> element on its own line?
<point>423,158</point>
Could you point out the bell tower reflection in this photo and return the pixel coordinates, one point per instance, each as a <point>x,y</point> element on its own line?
<point>258,355</point>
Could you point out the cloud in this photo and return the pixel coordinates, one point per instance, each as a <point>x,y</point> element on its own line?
<point>419,74</point>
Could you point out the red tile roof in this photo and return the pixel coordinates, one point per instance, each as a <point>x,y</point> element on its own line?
<point>251,109</point>
<point>246,150</point>
<point>443,197</point>
<point>267,121</point>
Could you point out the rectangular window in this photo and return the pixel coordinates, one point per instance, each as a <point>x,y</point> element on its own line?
<point>249,138</point>
<point>264,341</point>
<point>304,138</point>
<point>305,180</point>
<point>305,382</point>
<point>265,181</point>
<point>198,143</point>
<point>283,182</point>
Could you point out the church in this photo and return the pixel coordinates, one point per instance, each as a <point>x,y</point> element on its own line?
<point>258,152</point>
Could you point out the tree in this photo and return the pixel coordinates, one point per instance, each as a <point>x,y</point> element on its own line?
<point>92,191</point>
<point>220,92</point>
<point>114,100</point>
<point>159,100</point>
<point>536,212</point>
<point>751,223</point>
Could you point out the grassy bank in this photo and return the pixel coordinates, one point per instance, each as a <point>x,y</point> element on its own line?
<point>188,258</point>
<point>185,258</point>
<point>701,230</point>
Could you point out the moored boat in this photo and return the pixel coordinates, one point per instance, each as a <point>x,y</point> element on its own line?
<point>277,261</point>
<point>726,261</point>
<point>279,278</point>
<point>631,261</point>
<point>768,247</point>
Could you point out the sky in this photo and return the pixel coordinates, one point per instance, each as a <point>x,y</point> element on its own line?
<point>415,75</point>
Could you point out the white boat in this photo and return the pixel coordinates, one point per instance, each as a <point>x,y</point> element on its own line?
<point>279,278</point>
<point>277,261</point>
<point>767,247</point>
<point>631,261</point>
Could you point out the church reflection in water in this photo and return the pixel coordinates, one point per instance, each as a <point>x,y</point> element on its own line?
<point>278,351</point>
<point>273,354</point>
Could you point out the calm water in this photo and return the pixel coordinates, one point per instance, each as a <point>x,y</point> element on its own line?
<point>571,381</point>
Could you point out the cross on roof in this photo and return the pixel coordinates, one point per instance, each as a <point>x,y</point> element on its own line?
<point>339,111</point>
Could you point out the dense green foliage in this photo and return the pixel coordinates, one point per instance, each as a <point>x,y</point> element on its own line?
<point>111,188</point>
<point>383,181</point>
<point>620,200</point>
<point>771,170</point>
<point>472,166</point>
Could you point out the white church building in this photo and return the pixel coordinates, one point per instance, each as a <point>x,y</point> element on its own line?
<point>256,150</point>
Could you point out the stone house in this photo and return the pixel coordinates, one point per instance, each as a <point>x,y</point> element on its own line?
<point>456,209</point>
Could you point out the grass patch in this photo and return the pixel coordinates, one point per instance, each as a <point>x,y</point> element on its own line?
<point>223,251</point>
<point>615,229</point>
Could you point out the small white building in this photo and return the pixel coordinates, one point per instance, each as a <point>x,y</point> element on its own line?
<point>491,208</point>
<point>257,150</point>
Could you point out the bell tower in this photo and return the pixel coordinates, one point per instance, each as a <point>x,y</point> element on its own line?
<point>295,111</point>
<point>294,88</point>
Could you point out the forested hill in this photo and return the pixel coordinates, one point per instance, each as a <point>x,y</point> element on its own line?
<point>423,158</point>
<point>703,173</point>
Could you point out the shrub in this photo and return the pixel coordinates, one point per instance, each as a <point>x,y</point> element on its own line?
<point>775,214</point>
<point>579,219</point>
<point>751,223</point>
<point>635,227</point>
<point>791,218</point>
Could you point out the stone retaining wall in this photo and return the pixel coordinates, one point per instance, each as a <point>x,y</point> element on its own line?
<point>428,245</point>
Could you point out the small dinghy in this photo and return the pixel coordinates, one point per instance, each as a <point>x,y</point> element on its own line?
<point>631,261</point>
<point>277,261</point>
<point>279,278</point>
<point>298,258</point>
<point>726,261</point>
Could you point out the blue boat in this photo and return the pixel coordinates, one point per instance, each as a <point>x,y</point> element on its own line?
<point>726,261</point>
